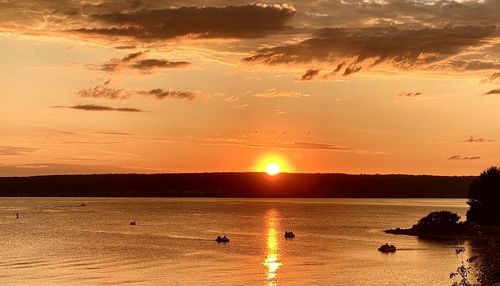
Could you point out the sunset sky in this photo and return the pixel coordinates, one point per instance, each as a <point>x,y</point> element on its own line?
<point>200,86</point>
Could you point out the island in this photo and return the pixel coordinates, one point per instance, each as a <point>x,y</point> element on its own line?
<point>481,228</point>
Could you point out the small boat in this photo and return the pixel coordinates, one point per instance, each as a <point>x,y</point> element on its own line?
<point>222,239</point>
<point>83,205</point>
<point>133,223</point>
<point>289,234</point>
<point>387,248</point>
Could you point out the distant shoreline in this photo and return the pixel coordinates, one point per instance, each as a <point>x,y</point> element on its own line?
<point>237,185</point>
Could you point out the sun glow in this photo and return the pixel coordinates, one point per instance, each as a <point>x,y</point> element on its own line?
<point>272,164</point>
<point>273,169</point>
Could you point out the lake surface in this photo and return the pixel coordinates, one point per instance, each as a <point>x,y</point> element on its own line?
<point>58,242</point>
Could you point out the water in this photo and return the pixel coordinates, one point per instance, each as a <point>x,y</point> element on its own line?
<point>58,242</point>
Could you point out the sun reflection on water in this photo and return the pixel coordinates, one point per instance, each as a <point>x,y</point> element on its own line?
<point>271,262</point>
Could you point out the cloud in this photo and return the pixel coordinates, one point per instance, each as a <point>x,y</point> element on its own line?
<point>274,93</point>
<point>310,74</point>
<point>133,61</point>
<point>311,146</point>
<point>467,65</point>
<point>115,64</point>
<point>104,90</point>
<point>493,78</point>
<point>354,49</point>
<point>459,157</point>
<point>14,150</point>
<point>472,139</point>
<point>161,94</point>
<point>410,94</point>
<point>494,91</point>
<point>112,133</point>
<point>92,107</point>
<point>149,64</point>
<point>299,145</point>
<point>352,69</point>
<point>248,21</point>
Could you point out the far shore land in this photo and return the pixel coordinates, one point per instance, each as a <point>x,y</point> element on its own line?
<point>251,185</point>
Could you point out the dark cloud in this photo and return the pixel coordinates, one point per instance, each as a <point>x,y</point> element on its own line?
<point>162,94</point>
<point>14,150</point>
<point>354,49</point>
<point>459,157</point>
<point>494,91</point>
<point>133,61</point>
<point>493,78</point>
<point>92,107</point>
<point>410,94</point>
<point>248,21</point>
<point>149,64</point>
<point>352,69</point>
<point>310,74</point>
<point>104,90</point>
<point>130,47</point>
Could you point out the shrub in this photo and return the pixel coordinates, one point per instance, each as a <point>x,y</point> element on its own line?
<point>440,222</point>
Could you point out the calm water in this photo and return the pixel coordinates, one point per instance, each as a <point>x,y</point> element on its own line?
<point>57,242</point>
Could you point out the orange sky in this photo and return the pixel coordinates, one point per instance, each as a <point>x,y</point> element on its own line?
<point>322,86</point>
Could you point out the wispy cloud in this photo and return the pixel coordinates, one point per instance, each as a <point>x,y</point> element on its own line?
<point>107,91</point>
<point>161,94</point>
<point>310,74</point>
<point>459,157</point>
<point>362,48</point>
<point>493,78</point>
<point>270,93</point>
<point>15,150</point>
<point>104,90</point>
<point>303,146</point>
<point>472,139</point>
<point>135,61</point>
<point>92,107</point>
<point>112,133</point>
<point>410,93</point>
<point>494,91</point>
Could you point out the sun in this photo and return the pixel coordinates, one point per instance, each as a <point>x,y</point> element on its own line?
<point>272,163</point>
<point>273,169</point>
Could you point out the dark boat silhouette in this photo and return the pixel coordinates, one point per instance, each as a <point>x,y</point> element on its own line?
<point>133,223</point>
<point>289,234</point>
<point>222,239</point>
<point>387,248</point>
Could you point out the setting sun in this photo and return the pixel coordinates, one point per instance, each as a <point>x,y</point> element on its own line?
<point>272,163</point>
<point>273,169</point>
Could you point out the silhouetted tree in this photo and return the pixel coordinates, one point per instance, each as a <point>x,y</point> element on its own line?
<point>484,198</point>
<point>440,222</point>
<point>489,268</point>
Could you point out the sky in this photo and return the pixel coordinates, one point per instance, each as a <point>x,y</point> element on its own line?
<point>349,86</point>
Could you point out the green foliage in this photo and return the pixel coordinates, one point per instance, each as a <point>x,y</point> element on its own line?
<point>484,198</point>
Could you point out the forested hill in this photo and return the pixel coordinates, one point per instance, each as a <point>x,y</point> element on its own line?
<point>237,185</point>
